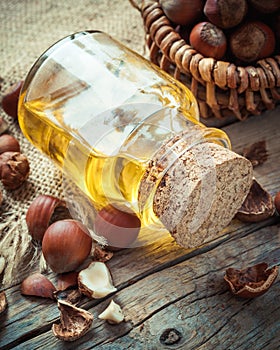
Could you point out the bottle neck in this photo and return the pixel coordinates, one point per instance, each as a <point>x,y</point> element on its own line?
<point>169,155</point>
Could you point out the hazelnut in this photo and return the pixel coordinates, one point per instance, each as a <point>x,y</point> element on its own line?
<point>252,281</point>
<point>95,281</point>
<point>209,40</point>
<point>66,245</point>
<point>112,314</point>
<point>252,41</point>
<point>119,228</point>
<point>10,99</point>
<point>257,206</point>
<point>38,285</point>
<point>74,322</point>
<point>14,169</point>
<point>225,13</point>
<point>8,143</point>
<point>182,12</point>
<point>42,212</point>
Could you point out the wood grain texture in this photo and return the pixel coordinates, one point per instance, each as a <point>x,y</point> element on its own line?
<point>164,286</point>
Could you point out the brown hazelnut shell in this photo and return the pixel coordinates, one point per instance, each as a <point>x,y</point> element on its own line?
<point>252,41</point>
<point>252,281</point>
<point>258,205</point>
<point>14,169</point>
<point>10,100</point>
<point>225,14</point>
<point>66,245</point>
<point>37,285</point>
<point>182,12</point>
<point>44,210</point>
<point>9,143</point>
<point>119,228</point>
<point>209,40</point>
<point>74,322</point>
<point>101,254</point>
<point>256,153</point>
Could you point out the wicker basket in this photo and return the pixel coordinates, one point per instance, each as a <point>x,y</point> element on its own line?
<point>224,91</point>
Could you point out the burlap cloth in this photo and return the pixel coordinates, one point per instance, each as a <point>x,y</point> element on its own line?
<point>29,27</point>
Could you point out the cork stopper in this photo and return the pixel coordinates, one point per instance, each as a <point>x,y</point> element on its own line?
<point>198,195</point>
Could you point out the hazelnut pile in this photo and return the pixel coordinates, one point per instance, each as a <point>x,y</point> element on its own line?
<point>14,166</point>
<point>239,31</point>
<point>79,270</point>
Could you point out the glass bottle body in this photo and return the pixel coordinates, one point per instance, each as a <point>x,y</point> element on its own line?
<point>102,112</point>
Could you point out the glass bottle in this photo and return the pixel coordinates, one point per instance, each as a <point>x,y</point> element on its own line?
<point>118,127</point>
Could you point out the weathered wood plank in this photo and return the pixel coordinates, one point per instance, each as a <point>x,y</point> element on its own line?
<point>263,127</point>
<point>30,318</point>
<point>192,297</point>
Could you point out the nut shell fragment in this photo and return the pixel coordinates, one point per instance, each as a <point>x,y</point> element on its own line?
<point>74,322</point>
<point>95,281</point>
<point>112,314</point>
<point>67,280</point>
<point>100,254</point>
<point>256,153</point>
<point>252,281</point>
<point>257,206</point>
<point>38,285</point>
<point>3,302</point>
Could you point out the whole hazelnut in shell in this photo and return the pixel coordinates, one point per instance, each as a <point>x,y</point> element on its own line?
<point>120,228</point>
<point>182,12</point>
<point>252,41</point>
<point>209,40</point>
<point>10,99</point>
<point>66,245</point>
<point>225,13</point>
<point>9,143</point>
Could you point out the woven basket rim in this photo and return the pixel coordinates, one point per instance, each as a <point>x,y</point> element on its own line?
<point>254,78</point>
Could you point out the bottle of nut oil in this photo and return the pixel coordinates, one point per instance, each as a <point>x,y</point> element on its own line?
<point>127,134</point>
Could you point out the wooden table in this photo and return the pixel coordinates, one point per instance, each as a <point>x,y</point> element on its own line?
<point>164,287</point>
